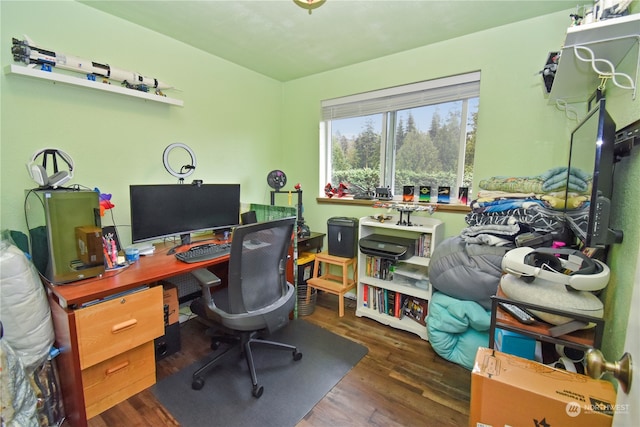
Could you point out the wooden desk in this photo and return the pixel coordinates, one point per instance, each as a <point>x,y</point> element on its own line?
<point>107,351</point>
<point>311,243</point>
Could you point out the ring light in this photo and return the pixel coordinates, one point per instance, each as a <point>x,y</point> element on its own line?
<point>190,168</point>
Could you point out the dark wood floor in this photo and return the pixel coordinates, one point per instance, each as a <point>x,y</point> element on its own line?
<point>400,382</point>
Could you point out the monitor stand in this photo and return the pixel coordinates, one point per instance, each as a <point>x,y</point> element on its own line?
<point>185,239</point>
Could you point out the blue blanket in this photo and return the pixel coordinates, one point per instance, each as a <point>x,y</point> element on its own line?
<point>457,328</point>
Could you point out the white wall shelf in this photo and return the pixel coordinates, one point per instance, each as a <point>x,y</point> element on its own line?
<point>602,45</point>
<point>77,81</point>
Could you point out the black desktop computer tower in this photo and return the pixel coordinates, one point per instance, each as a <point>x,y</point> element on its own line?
<point>169,343</point>
<point>66,234</point>
<point>342,236</point>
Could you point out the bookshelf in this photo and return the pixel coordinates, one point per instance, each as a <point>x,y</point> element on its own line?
<point>385,284</point>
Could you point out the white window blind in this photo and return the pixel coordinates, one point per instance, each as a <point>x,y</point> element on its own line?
<point>403,97</point>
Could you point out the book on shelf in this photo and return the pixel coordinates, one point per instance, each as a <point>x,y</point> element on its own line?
<point>379,268</point>
<point>395,304</point>
<point>390,307</point>
<point>423,245</point>
<point>416,309</point>
<point>365,295</point>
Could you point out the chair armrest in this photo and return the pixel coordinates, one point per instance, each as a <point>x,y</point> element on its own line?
<point>207,280</point>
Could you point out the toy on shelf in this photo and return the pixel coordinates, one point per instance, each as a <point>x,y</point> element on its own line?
<point>363,194</point>
<point>383,193</point>
<point>105,201</point>
<point>406,208</point>
<point>340,191</point>
<point>27,52</point>
<point>381,218</point>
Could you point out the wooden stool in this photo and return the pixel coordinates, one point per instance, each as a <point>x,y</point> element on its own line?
<point>337,285</point>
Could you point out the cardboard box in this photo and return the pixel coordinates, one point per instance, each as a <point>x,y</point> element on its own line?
<point>516,344</point>
<point>507,390</point>
<point>89,245</point>
<point>171,306</point>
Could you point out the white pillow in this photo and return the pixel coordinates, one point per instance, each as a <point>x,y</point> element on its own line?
<point>24,308</point>
<point>553,295</point>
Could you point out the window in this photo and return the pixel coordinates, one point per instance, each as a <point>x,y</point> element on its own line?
<point>422,134</point>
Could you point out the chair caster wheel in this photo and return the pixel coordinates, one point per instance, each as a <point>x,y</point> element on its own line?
<point>257,391</point>
<point>297,355</point>
<point>197,383</point>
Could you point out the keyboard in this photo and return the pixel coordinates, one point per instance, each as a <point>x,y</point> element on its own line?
<point>204,252</point>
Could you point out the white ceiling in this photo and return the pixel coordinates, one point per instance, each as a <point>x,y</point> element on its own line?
<point>283,41</point>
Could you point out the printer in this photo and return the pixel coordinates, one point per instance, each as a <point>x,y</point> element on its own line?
<point>391,247</point>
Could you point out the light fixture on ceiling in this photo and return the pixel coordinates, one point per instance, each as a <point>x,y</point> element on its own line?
<point>309,4</point>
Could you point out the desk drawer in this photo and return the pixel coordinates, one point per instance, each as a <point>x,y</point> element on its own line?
<point>115,380</point>
<point>115,326</point>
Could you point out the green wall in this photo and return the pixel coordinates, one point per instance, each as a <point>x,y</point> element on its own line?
<point>519,132</point>
<point>512,105</point>
<point>242,125</point>
<point>624,216</point>
<point>231,115</point>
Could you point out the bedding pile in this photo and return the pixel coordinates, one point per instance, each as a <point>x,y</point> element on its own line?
<point>538,201</point>
<point>457,328</point>
<point>465,270</point>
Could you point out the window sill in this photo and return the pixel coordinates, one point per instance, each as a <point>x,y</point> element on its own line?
<point>442,207</point>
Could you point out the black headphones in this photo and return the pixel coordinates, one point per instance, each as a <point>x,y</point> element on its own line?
<point>39,172</point>
<point>569,267</point>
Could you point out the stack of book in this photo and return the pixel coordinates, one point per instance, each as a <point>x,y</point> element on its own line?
<point>423,245</point>
<point>395,303</point>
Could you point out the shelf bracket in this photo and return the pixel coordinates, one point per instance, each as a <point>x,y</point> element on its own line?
<point>606,70</point>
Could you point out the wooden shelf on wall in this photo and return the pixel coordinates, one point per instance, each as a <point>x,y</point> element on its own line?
<point>77,81</point>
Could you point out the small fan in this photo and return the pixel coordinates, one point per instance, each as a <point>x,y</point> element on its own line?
<point>276,179</point>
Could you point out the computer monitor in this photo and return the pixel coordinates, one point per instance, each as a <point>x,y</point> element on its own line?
<point>168,210</point>
<point>592,155</point>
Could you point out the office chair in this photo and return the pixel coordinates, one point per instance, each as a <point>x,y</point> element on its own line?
<point>257,300</point>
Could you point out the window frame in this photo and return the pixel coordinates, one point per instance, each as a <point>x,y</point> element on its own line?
<point>388,101</point>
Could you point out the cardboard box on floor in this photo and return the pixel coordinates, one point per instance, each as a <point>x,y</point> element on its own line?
<point>507,390</point>
<point>171,307</point>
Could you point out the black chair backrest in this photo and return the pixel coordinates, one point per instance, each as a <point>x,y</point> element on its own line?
<point>257,264</point>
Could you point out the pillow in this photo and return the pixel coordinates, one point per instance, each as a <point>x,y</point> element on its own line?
<point>553,295</point>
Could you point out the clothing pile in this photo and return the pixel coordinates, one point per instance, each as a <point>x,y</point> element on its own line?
<point>538,201</point>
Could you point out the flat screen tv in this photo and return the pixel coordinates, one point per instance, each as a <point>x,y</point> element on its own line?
<point>169,210</point>
<point>591,167</point>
